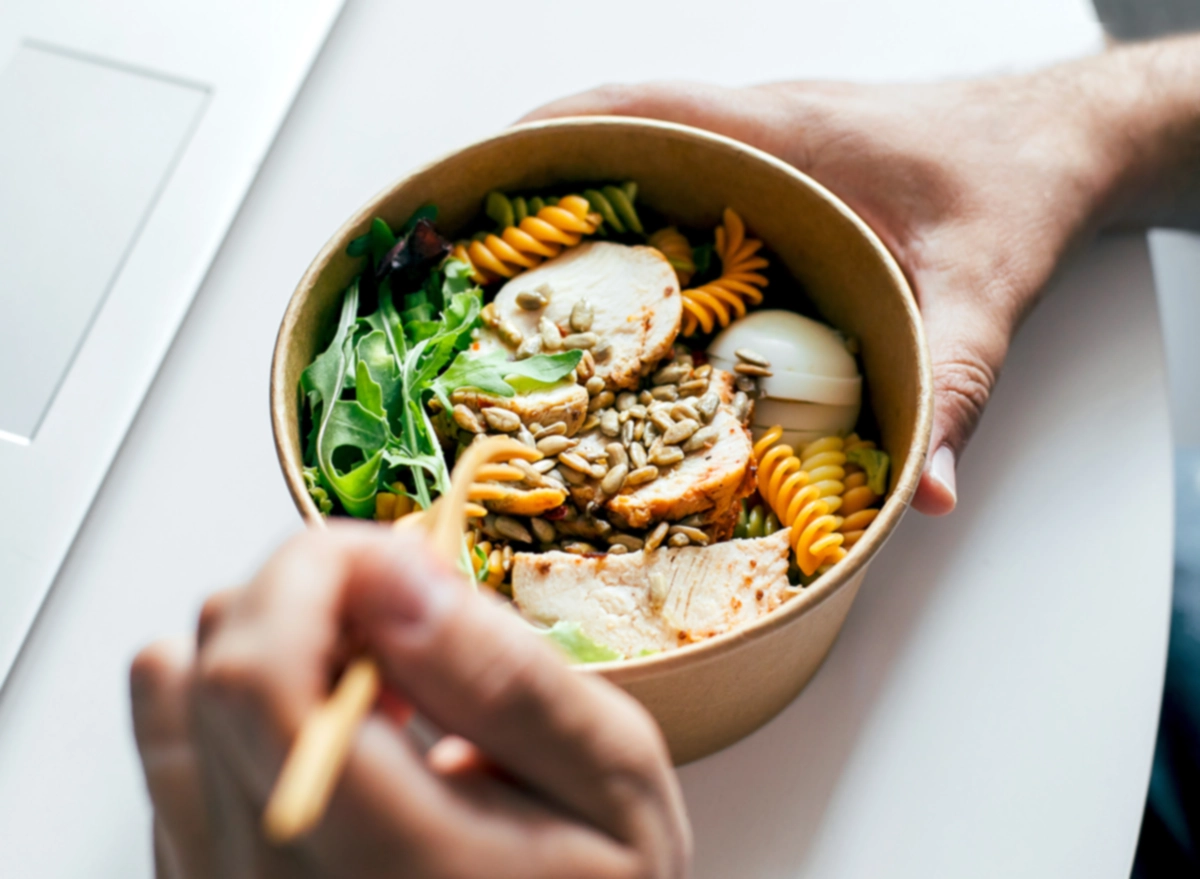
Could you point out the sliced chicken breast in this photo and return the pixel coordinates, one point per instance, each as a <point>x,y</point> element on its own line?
<point>655,601</point>
<point>565,402</point>
<point>634,297</point>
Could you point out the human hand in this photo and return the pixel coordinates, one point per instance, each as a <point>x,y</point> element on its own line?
<point>545,771</point>
<point>978,189</point>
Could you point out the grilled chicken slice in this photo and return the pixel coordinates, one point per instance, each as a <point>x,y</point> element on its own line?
<point>655,601</point>
<point>635,301</point>
<point>564,402</point>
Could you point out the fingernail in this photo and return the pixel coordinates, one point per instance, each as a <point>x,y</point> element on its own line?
<point>941,468</point>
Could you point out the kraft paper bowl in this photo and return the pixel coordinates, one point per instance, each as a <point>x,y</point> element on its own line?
<point>707,695</point>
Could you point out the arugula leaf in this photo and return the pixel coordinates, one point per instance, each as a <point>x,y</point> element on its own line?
<point>570,638</point>
<point>352,425</point>
<point>322,381</point>
<point>383,373</point>
<point>875,462</point>
<point>494,373</point>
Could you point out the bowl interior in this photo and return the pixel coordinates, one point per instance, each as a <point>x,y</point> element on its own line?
<point>690,176</point>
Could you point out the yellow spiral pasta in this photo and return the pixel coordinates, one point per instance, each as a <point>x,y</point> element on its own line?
<point>672,244</point>
<point>534,239</point>
<point>711,304</point>
<point>858,498</point>
<point>804,492</point>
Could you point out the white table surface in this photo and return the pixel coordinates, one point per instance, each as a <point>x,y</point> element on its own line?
<point>990,707</point>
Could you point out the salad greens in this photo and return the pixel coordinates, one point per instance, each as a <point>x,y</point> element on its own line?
<point>875,463</point>
<point>570,638</point>
<point>402,338</point>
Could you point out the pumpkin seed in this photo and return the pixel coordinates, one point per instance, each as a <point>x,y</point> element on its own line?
<point>507,526</point>
<point>694,535</point>
<point>655,538</point>
<point>581,316</point>
<point>555,445</point>
<point>581,340</point>
<point>465,418</point>
<point>752,357</point>
<point>501,419</point>
<point>642,475</point>
<point>531,300</point>
<point>680,431</point>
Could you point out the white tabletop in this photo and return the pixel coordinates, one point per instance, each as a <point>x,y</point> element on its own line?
<point>990,707</point>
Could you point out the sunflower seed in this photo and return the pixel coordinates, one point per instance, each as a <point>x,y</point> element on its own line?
<point>590,422</point>
<point>626,400</point>
<point>610,423</point>
<point>509,527</point>
<point>571,477</point>
<point>702,371</point>
<point>637,455</point>
<point>529,348</point>
<point>639,412</point>
<point>708,405</point>
<point>581,316</point>
<point>657,591</point>
<point>745,384</point>
<point>701,439</point>
<point>553,472</point>
<point>531,300</point>
<point>626,540</point>
<point>542,529</point>
<point>602,349</point>
<point>488,313</point>
<point>533,477</point>
<point>509,334</point>
<point>694,535</point>
<point>661,419</point>
<point>655,538</point>
<point>695,520</point>
<point>616,454</point>
<point>678,540</point>
<point>602,400</point>
<point>680,431</point>
<point>526,437</point>
<point>642,475</point>
<point>587,366</point>
<point>576,462</point>
<point>753,357</point>
<point>506,557</point>
<point>741,407</point>
<point>466,419</point>
<point>554,445</point>
<point>552,339</point>
<point>665,455</point>
<point>639,430</point>
<point>594,385</point>
<point>614,480</point>
<point>618,549</point>
<point>578,547</point>
<point>488,526</point>
<point>670,374</point>
<point>501,419</point>
<point>543,466</point>
<point>683,409</point>
<point>645,398</point>
<point>558,428</point>
<point>650,434</point>
<point>627,431</point>
<point>753,369</point>
<point>693,388</point>
<point>581,340</point>
<point>665,392</point>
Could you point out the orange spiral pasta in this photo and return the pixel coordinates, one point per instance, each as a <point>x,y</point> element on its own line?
<point>804,492</point>
<point>858,498</point>
<point>672,244</point>
<point>710,304</point>
<point>534,239</point>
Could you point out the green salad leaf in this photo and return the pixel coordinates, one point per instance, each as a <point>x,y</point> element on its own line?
<point>570,638</point>
<point>494,373</point>
<point>875,463</point>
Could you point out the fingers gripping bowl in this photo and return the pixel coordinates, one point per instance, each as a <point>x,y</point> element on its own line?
<point>710,693</point>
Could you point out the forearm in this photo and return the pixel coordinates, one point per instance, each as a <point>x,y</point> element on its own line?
<point>1143,112</point>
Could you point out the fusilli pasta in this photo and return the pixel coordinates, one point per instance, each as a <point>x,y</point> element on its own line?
<point>740,283</point>
<point>858,497</point>
<point>672,244</point>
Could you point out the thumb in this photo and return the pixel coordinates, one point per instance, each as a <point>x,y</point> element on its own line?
<point>967,348</point>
